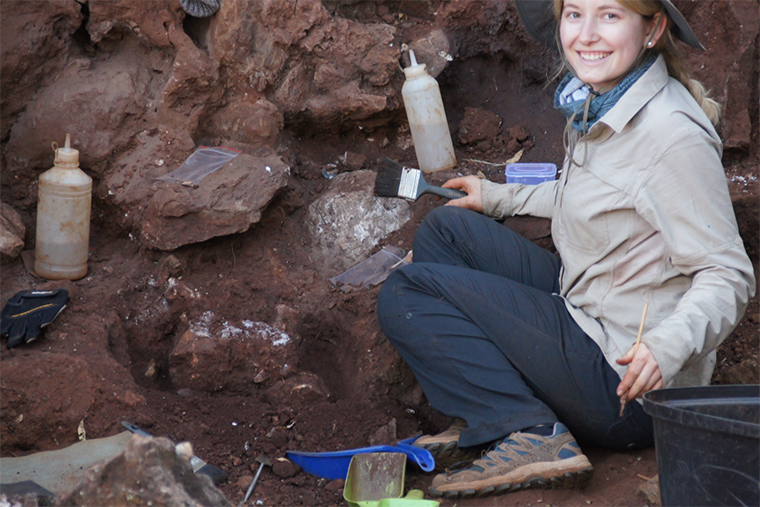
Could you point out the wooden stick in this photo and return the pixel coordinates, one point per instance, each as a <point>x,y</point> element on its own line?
<point>641,329</point>
<point>635,349</point>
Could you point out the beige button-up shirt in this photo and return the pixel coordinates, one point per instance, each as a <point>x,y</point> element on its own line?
<point>648,218</point>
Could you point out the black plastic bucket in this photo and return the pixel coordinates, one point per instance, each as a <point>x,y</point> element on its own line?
<point>707,441</point>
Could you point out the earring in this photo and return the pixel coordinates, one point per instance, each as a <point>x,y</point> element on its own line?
<point>649,44</point>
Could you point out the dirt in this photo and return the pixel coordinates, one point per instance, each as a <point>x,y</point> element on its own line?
<point>109,356</point>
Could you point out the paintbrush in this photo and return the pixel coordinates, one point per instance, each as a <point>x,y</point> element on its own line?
<point>635,349</point>
<point>395,180</point>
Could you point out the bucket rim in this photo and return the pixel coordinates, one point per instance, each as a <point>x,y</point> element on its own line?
<point>655,406</point>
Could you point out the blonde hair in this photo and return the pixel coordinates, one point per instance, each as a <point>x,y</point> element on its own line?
<point>666,46</point>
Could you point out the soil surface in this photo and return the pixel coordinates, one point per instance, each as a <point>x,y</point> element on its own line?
<point>111,355</point>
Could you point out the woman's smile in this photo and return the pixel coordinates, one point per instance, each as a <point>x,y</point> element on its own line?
<point>593,56</point>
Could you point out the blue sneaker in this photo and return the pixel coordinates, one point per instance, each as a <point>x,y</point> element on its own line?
<point>521,461</point>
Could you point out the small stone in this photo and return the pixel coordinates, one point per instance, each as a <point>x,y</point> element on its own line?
<point>335,485</point>
<point>236,462</point>
<point>650,490</point>
<point>284,468</point>
<point>385,435</point>
<point>184,450</point>
<point>279,438</point>
<point>244,481</point>
<point>354,161</point>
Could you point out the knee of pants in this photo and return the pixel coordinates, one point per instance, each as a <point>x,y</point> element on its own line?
<point>391,313</point>
<point>387,298</point>
<point>440,216</point>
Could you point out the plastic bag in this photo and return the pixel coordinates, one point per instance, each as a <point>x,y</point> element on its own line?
<point>200,164</point>
<point>373,270</point>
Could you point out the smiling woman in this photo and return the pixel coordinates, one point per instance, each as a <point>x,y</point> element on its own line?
<point>529,351</point>
<point>603,41</point>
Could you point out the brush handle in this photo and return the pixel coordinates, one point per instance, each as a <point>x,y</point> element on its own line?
<point>448,193</point>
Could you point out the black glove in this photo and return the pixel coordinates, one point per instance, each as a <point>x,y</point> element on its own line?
<point>29,311</point>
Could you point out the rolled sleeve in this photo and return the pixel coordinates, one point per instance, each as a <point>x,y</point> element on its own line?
<point>508,199</point>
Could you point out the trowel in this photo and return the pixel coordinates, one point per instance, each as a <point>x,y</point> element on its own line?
<point>334,465</point>
<point>217,475</point>
<point>376,479</point>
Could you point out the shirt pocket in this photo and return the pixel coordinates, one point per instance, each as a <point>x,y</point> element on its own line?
<point>586,212</point>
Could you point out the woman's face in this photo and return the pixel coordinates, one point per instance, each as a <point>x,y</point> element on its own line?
<point>602,39</point>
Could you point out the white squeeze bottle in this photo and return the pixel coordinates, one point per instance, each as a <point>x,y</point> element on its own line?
<point>63,218</point>
<point>427,119</point>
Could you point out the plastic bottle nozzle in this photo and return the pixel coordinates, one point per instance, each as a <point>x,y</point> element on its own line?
<point>67,154</point>
<point>415,70</point>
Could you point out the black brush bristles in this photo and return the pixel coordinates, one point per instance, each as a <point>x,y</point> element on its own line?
<point>395,180</point>
<point>388,178</point>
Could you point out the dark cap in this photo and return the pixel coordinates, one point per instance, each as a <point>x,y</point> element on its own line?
<point>538,18</point>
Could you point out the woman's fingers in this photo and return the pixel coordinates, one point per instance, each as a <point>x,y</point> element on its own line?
<point>643,374</point>
<point>470,185</point>
<point>645,381</point>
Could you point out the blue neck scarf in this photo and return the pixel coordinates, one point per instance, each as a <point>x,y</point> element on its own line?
<point>571,94</point>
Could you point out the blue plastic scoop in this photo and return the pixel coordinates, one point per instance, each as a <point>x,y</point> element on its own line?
<point>334,465</point>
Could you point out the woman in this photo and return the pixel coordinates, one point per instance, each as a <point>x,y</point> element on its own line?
<point>526,350</point>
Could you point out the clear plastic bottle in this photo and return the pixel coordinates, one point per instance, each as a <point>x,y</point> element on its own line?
<point>427,119</point>
<point>63,218</point>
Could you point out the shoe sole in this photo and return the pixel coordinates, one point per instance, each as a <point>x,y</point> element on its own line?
<point>573,473</point>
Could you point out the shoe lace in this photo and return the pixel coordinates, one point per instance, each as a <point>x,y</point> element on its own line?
<point>512,449</point>
<point>467,463</point>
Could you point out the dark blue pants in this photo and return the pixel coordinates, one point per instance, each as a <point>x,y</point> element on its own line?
<point>477,319</point>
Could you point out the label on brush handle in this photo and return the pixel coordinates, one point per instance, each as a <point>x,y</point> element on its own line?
<point>409,184</point>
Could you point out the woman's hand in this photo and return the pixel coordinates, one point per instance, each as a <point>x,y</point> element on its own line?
<point>643,374</point>
<point>471,185</point>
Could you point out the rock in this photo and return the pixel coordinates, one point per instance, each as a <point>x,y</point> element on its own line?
<point>745,372</point>
<point>279,437</point>
<point>67,105</point>
<point>287,318</point>
<point>169,267</point>
<point>300,389</point>
<point>747,209</point>
<point>252,123</point>
<point>479,125</point>
<point>335,485</point>
<point>148,472</point>
<point>385,435</point>
<point>58,392</point>
<point>347,221</point>
<point>227,201</point>
<point>352,161</point>
<point>284,468</point>
<point>519,133</point>
<point>414,398</point>
<point>213,355</point>
<point>434,49</point>
<point>650,490</point>
<point>244,481</point>
<point>36,38</point>
<point>12,232</point>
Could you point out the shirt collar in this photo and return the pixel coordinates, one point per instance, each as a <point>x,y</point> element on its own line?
<point>642,91</point>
